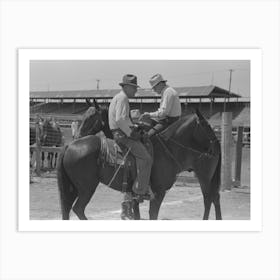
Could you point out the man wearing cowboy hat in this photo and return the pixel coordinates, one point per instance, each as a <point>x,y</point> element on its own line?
<point>170,106</point>
<point>121,126</point>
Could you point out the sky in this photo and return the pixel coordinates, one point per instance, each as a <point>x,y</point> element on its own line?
<point>59,75</point>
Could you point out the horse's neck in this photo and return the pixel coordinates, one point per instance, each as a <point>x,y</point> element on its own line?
<point>107,131</point>
<point>177,146</point>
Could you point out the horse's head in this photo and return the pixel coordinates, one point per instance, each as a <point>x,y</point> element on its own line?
<point>95,120</point>
<point>205,136</point>
<point>192,133</point>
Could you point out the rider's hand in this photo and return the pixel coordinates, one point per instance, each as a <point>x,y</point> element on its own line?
<point>146,114</point>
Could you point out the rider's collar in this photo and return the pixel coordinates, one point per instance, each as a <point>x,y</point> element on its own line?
<point>162,91</point>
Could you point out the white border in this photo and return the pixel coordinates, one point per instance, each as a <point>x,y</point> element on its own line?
<point>254,55</point>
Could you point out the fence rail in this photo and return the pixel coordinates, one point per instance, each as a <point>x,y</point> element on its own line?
<point>38,152</point>
<point>46,149</point>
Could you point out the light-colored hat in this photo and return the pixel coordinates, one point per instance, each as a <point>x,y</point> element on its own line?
<point>129,79</point>
<point>156,79</point>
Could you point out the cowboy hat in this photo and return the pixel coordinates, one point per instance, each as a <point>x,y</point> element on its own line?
<point>156,79</point>
<point>129,79</point>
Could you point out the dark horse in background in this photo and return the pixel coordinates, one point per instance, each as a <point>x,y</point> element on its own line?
<point>51,137</point>
<point>188,144</point>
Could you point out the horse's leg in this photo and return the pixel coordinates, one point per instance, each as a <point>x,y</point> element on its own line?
<point>84,197</point>
<point>67,207</point>
<point>207,206</point>
<point>204,179</point>
<point>155,205</point>
<point>136,211</point>
<point>216,201</point>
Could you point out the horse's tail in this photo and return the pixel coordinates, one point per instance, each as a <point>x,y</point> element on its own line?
<point>67,191</point>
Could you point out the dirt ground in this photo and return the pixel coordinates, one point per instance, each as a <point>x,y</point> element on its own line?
<point>183,202</point>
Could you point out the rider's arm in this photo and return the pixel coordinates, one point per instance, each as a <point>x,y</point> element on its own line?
<point>122,116</point>
<point>165,105</point>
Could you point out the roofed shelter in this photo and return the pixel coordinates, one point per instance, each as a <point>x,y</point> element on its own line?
<point>143,97</point>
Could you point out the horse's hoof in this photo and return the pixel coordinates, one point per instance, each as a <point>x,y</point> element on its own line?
<point>126,217</point>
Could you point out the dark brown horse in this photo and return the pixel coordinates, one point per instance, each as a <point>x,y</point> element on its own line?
<point>188,144</point>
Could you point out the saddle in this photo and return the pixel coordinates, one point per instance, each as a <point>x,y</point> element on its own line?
<point>111,153</point>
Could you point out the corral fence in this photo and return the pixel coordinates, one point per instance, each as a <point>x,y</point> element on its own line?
<point>63,120</point>
<point>45,148</point>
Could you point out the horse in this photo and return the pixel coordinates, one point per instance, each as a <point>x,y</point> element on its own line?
<point>51,137</point>
<point>189,144</point>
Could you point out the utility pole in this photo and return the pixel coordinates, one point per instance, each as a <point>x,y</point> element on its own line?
<point>97,86</point>
<point>230,74</point>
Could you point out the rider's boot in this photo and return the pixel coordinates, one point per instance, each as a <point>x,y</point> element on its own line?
<point>127,213</point>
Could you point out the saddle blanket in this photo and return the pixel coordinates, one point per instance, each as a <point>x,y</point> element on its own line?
<point>111,152</point>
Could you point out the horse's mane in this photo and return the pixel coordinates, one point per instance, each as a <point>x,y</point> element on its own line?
<point>170,130</point>
<point>88,124</point>
<point>89,112</point>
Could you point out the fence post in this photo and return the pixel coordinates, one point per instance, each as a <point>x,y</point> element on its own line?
<point>38,149</point>
<point>238,157</point>
<point>226,150</point>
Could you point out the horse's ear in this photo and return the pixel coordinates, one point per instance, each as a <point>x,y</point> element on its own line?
<point>88,102</point>
<point>198,113</point>
<point>96,105</point>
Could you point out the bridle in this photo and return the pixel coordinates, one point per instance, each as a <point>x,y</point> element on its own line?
<point>201,154</point>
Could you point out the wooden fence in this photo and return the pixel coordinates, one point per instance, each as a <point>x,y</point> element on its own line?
<point>37,150</point>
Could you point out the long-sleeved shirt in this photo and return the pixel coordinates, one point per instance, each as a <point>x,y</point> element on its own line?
<point>170,105</point>
<point>119,113</point>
